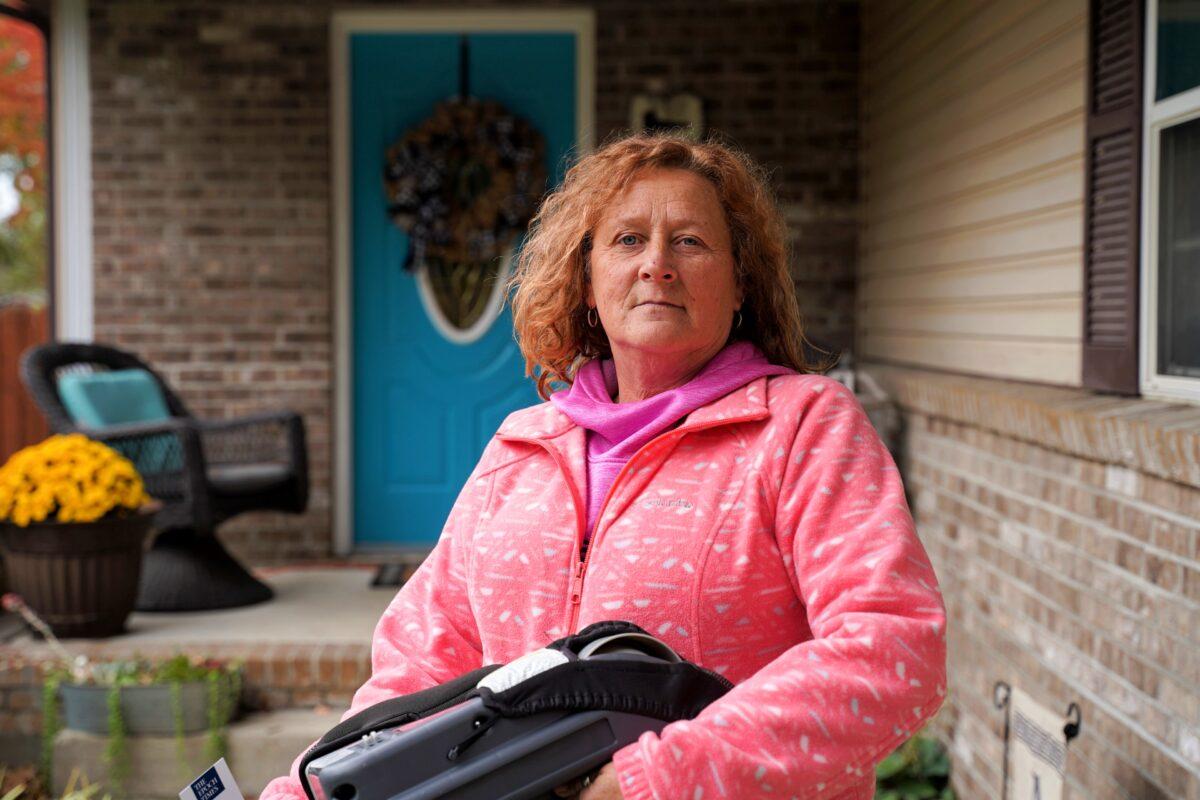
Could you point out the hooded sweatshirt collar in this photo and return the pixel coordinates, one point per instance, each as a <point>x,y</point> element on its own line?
<point>619,429</point>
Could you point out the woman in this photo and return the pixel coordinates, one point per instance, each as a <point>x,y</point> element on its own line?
<point>696,478</point>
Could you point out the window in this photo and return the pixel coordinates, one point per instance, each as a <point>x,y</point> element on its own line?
<point>1170,286</point>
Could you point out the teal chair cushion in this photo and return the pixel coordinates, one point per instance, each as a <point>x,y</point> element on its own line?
<point>100,399</point>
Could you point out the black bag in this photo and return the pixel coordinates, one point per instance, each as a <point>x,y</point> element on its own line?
<point>513,731</point>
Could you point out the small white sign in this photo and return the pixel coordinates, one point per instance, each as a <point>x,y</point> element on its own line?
<point>1037,750</point>
<point>216,783</point>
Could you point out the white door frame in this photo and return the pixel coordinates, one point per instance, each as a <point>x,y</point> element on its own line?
<point>71,164</point>
<point>581,22</point>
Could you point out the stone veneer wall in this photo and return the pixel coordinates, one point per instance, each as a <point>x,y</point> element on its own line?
<point>211,132</point>
<point>1065,530</point>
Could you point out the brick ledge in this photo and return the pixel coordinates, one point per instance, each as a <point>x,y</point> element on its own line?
<point>1152,436</point>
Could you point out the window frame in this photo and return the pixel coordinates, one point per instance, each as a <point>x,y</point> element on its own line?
<point>1157,116</point>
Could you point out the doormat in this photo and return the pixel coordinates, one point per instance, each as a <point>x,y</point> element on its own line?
<point>392,574</point>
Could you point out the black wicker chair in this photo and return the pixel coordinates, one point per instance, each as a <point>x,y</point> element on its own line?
<point>204,472</point>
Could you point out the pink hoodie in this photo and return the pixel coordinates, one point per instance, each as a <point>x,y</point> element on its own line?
<point>767,538</point>
<point>618,430</point>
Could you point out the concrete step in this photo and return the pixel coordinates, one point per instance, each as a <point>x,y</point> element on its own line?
<point>260,748</point>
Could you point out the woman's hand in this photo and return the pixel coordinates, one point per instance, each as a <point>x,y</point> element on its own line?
<point>601,787</point>
<point>605,787</point>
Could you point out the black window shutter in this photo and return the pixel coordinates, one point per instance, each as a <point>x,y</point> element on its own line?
<point>1112,197</point>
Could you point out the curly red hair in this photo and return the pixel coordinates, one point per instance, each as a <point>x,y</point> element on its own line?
<point>549,283</point>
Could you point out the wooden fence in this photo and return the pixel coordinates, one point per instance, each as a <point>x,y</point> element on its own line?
<point>21,423</point>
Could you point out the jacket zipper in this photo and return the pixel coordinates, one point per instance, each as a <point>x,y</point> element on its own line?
<point>576,595</point>
<point>581,567</point>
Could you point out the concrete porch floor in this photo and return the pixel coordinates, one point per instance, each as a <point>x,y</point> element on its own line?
<point>317,604</point>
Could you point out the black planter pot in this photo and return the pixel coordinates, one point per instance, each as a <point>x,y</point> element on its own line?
<point>80,577</point>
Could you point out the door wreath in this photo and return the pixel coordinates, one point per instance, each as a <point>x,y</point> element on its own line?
<point>463,184</point>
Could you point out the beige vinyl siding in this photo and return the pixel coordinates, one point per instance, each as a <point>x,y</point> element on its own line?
<point>971,236</point>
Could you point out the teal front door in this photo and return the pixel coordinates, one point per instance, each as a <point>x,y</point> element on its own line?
<point>425,402</point>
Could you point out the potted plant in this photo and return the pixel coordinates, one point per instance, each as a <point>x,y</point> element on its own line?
<point>74,517</point>
<point>119,699</point>
<point>182,695</point>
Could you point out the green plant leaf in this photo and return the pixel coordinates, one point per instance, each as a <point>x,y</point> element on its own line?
<point>51,722</point>
<point>915,770</point>
<point>116,750</point>
<point>215,745</point>
<point>890,766</point>
<point>928,748</point>
<point>84,793</point>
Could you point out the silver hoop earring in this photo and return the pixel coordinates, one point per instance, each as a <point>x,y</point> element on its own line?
<point>593,318</point>
<point>738,324</point>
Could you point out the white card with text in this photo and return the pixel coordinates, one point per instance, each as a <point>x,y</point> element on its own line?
<point>216,783</point>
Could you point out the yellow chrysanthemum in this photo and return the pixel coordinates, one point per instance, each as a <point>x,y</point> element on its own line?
<point>69,478</point>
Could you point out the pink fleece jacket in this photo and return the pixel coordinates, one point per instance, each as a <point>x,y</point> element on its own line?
<point>767,538</point>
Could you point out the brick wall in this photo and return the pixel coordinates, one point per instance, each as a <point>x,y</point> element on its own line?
<point>1071,577</point>
<point>212,185</point>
